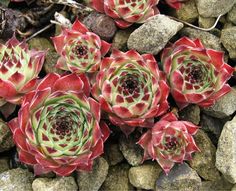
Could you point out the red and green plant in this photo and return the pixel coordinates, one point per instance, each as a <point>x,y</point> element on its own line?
<point>195,74</point>
<point>169,141</point>
<point>19,69</point>
<point>131,89</point>
<point>58,128</point>
<point>80,50</point>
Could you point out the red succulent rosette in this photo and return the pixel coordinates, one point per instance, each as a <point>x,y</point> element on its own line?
<point>196,74</point>
<point>131,89</point>
<point>19,69</point>
<point>169,141</point>
<point>58,128</point>
<point>126,12</point>
<point>81,51</point>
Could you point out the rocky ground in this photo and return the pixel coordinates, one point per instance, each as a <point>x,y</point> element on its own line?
<point>121,166</point>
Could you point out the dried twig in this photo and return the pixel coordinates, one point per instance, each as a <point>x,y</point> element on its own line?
<point>199,28</point>
<point>40,31</point>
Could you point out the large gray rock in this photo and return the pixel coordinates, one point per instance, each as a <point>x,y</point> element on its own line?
<point>6,139</point>
<point>153,35</point>
<point>204,161</point>
<point>181,177</point>
<point>93,180</point>
<point>213,8</point>
<point>145,175</point>
<point>223,107</point>
<point>208,40</point>
<point>16,180</point>
<point>55,184</point>
<point>117,179</point>
<point>226,151</point>
<point>228,38</point>
<point>132,152</point>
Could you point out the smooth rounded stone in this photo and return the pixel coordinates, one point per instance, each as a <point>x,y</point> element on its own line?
<point>223,107</point>
<point>55,184</point>
<point>93,180</point>
<point>145,175</point>
<point>188,12</point>
<point>113,154</point>
<point>213,8</point>
<point>228,38</point>
<point>101,24</point>
<point>132,152</point>
<point>4,164</point>
<point>51,56</point>
<point>231,16</point>
<point>154,34</point>
<point>190,113</point>
<point>204,161</point>
<point>6,138</point>
<point>120,39</point>
<point>206,22</point>
<point>208,40</point>
<point>212,126</point>
<point>117,179</point>
<point>181,177</point>
<point>16,180</point>
<point>226,151</point>
<point>218,185</point>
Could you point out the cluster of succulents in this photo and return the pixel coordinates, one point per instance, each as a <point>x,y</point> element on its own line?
<point>127,12</point>
<point>61,125</point>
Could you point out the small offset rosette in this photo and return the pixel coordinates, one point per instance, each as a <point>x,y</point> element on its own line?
<point>58,126</point>
<point>195,74</point>
<point>131,89</point>
<point>169,141</point>
<point>81,51</point>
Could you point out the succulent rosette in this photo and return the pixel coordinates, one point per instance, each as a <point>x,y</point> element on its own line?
<point>175,3</point>
<point>131,89</point>
<point>58,127</point>
<point>169,141</point>
<point>19,69</point>
<point>196,75</point>
<point>80,50</point>
<point>126,12</point>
